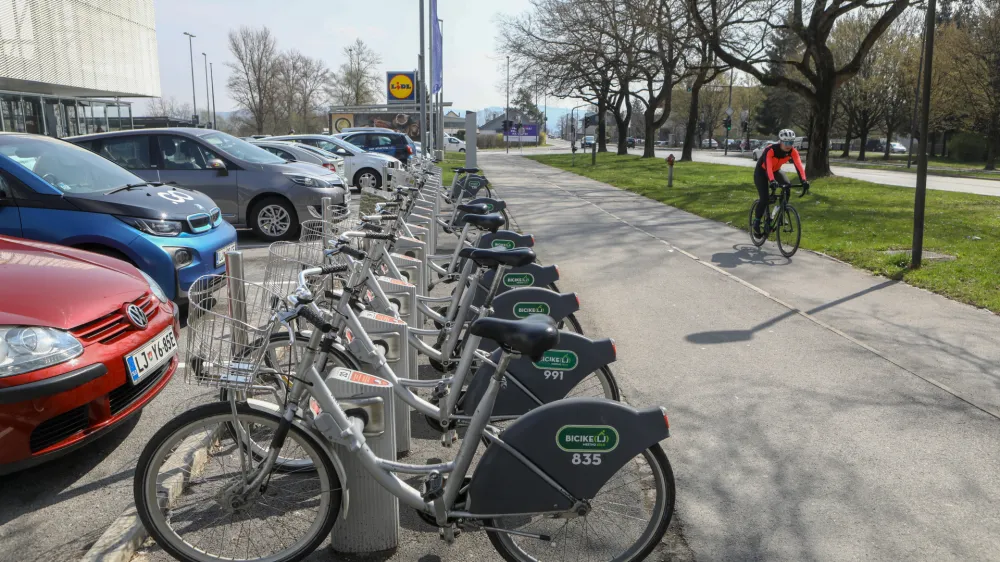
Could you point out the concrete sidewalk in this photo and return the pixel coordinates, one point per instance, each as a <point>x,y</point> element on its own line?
<point>818,412</point>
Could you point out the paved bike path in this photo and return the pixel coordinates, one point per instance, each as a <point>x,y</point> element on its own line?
<point>818,412</point>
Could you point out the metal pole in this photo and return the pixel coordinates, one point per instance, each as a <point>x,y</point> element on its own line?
<point>237,296</point>
<point>916,101</point>
<point>730,117</point>
<point>194,102</point>
<point>506,132</point>
<point>925,109</point>
<point>422,91</point>
<point>215,119</point>
<point>208,104</point>
<point>441,91</point>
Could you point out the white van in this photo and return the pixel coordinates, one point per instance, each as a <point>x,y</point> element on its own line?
<point>452,144</point>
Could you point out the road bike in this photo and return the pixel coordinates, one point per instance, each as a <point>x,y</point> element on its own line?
<point>781,218</point>
<point>574,479</point>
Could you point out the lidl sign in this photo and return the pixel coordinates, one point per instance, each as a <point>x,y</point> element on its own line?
<point>400,86</point>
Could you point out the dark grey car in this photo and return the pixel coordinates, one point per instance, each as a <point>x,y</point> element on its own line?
<point>250,185</point>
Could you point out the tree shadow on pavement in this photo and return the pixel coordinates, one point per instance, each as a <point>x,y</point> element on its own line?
<point>730,336</point>
<point>747,254</point>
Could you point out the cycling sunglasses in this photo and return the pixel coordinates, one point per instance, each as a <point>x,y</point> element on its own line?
<point>787,144</point>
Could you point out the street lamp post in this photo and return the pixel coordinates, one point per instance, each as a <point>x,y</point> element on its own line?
<point>215,119</point>
<point>194,103</point>
<point>925,108</point>
<point>208,104</point>
<point>506,133</point>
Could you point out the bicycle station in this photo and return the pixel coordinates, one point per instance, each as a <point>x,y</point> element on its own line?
<point>317,368</point>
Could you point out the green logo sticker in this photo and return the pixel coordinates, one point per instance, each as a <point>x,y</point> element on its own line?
<point>587,438</point>
<point>489,207</point>
<point>505,244</point>
<point>518,279</point>
<point>558,360</point>
<point>525,309</point>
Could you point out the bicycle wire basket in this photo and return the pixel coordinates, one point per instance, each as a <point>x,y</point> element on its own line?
<point>229,323</point>
<point>286,260</point>
<point>319,232</point>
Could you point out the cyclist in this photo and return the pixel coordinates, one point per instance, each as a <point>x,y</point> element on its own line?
<point>768,174</point>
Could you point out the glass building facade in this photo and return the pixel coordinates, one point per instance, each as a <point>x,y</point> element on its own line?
<point>22,112</point>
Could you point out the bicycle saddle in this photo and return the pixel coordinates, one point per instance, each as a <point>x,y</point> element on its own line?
<point>465,170</point>
<point>532,336</point>
<point>490,257</point>
<point>474,208</point>
<point>491,222</point>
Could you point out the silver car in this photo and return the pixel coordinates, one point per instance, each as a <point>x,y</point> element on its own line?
<point>251,186</point>
<point>299,152</point>
<point>364,169</point>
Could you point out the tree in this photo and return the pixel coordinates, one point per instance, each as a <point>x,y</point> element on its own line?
<point>863,98</point>
<point>705,66</point>
<point>736,29</point>
<point>980,67</point>
<point>524,102</point>
<point>252,77</point>
<point>358,81</point>
<point>168,107</point>
<point>779,103</point>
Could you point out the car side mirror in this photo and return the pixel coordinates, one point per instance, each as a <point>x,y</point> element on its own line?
<point>218,165</point>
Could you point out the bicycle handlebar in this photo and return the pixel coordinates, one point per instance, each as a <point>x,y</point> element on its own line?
<point>790,185</point>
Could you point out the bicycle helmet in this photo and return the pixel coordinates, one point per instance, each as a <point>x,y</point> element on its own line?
<point>786,136</point>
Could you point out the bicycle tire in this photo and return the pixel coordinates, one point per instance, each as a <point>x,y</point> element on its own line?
<point>506,219</point>
<point>573,323</point>
<point>753,214</point>
<point>507,545</point>
<point>791,226</point>
<point>148,498</point>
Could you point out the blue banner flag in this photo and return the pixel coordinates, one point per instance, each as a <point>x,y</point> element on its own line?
<point>436,70</point>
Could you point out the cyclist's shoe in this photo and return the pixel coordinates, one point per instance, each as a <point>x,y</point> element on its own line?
<point>758,229</point>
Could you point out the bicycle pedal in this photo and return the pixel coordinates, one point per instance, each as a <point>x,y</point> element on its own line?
<point>433,487</point>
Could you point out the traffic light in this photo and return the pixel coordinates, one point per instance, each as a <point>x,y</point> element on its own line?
<point>728,123</point>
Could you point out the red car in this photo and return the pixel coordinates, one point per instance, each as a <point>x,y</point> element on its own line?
<point>85,342</point>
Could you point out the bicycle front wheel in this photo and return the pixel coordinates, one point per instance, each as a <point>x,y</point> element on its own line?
<point>789,232</point>
<point>626,519</point>
<point>189,489</point>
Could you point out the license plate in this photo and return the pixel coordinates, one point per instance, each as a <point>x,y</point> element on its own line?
<point>147,358</point>
<point>220,254</point>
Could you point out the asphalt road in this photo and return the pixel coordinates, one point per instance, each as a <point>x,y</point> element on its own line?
<point>791,438</point>
<point>887,177</point>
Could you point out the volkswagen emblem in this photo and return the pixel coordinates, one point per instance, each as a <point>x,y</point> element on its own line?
<point>136,316</point>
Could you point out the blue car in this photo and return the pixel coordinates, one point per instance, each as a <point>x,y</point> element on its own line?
<point>54,191</point>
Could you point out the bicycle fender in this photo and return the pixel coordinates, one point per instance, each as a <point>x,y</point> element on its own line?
<point>531,275</point>
<point>520,303</point>
<point>506,239</point>
<point>492,205</point>
<point>579,442</point>
<point>301,424</point>
<point>531,383</point>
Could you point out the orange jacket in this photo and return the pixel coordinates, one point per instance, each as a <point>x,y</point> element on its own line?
<point>771,162</point>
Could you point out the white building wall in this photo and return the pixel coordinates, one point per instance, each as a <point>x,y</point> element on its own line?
<point>80,47</point>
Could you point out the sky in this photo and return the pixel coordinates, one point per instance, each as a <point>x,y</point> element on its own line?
<point>473,71</point>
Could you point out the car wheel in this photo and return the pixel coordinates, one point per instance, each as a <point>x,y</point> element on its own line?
<point>461,150</point>
<point>274,219</point>
<point>368,178</point>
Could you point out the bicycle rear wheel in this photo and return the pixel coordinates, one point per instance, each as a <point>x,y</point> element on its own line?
<point>789,232</point>
<point>571,324</point>
<point>186,481</point>
<point>626,520</point>
<point>753,214</point>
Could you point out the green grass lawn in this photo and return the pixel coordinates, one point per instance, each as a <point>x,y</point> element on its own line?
<point>451,160</point>
<point>852,220</point>
<point>936,167</point>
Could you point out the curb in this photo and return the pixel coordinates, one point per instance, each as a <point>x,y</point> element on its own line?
<point>123,537</point>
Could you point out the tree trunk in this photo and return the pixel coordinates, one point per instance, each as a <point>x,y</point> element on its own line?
<point>864,144</point>
<point>817,158</point>
<point>692,124</point>
<point>602,110</point>
<point>991,153</point>
<point>931,141</point>
<point>888,144</point>
<point>647,142</point>
<point>623,130</point>
<point>850,131</point>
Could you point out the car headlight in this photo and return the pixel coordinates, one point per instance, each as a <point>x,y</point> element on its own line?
<point>154,227</point>
<point>308,181</point>
<point>28,348</point>
<point>157,290</point>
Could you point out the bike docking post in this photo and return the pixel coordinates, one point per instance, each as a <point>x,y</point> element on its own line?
<point>390,335</point>
<point>403,297</point>
<point>325,204</point>
<point>670,170</point>
<point>371,523</point>
<point>237,296</point>
<point>412,270</point>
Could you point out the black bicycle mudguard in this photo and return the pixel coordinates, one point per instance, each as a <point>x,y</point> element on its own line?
<point>506,239</point>
<point>520,303</point>
<point>529,384</point>
<point>471,184</point>
<point>579,442</point>
<point>531,275</point>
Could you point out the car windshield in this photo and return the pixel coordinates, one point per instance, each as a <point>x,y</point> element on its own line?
<point>67,167</point>
<point>243,150</point>
<point>317,151</point>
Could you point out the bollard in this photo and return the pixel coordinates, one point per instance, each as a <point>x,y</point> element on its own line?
<point>372,519</point>
<point>325,204</point>
<point>237,296</point>
<point>391,335</point>
<point>670,170</point>
<point>471,136</point>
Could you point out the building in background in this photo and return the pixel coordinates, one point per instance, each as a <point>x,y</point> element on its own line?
<point>65,63</point>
